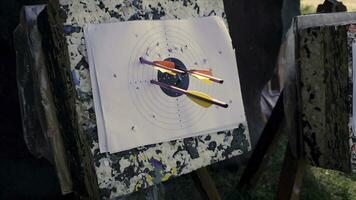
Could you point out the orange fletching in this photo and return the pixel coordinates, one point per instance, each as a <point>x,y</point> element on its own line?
<point>166,64</point>
<point>204,71</point>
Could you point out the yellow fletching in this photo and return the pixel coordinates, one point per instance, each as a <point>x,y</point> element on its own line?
<point>165,71</point>
<point>199,101</point>
<point>202,78</point>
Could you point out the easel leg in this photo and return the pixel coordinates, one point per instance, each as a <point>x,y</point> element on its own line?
<point>268,137</point>
<point>205,184</point>
<point>291,177</point>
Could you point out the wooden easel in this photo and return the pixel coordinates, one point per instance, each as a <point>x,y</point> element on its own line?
<point>290,179</point>
<point>291,176</point>
<point>292,172</point>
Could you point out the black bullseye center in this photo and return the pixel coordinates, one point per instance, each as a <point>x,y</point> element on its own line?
<point>179,80</point>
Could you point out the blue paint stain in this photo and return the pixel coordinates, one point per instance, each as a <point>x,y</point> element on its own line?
<point>68,29</point>
<point>75,78</point>
<point>156,163</point>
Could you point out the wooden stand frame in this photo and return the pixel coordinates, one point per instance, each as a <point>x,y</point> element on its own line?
<point>292,172</point>
<point>291,176</point>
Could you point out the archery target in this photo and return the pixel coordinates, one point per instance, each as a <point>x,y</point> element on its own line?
<point>130,110</point>
<point>150,100</point>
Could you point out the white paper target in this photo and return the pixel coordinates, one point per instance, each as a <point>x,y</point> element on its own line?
<point>131,111</point>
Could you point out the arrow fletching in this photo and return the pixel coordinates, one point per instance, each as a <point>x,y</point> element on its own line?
<point>202,78</point>
<point>165,71</point>
<point>204,75</point>
<point>167,64</point>
<point>198,101</point>
<point>208,72</point>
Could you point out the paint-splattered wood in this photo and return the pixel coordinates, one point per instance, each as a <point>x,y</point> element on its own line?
<point>111,175</point>
<point>325,106</point>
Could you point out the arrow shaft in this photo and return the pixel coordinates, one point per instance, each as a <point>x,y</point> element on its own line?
<point>186,92</point>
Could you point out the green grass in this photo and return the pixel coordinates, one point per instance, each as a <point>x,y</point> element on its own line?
<point>266,187</point>
<point>318,184</point>
<point>328,184</point>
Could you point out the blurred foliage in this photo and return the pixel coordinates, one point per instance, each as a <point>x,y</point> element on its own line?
<point>307,9</point>
<point>328,184</point>
<point>309,6</point>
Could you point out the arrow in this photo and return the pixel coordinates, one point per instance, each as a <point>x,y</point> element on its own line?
<point>163,68</point>
<point>205,75</point>
<point>200,98</point>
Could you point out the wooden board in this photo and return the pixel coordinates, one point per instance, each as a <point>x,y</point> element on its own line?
<point>323,88</point>
<point>101,175</point>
